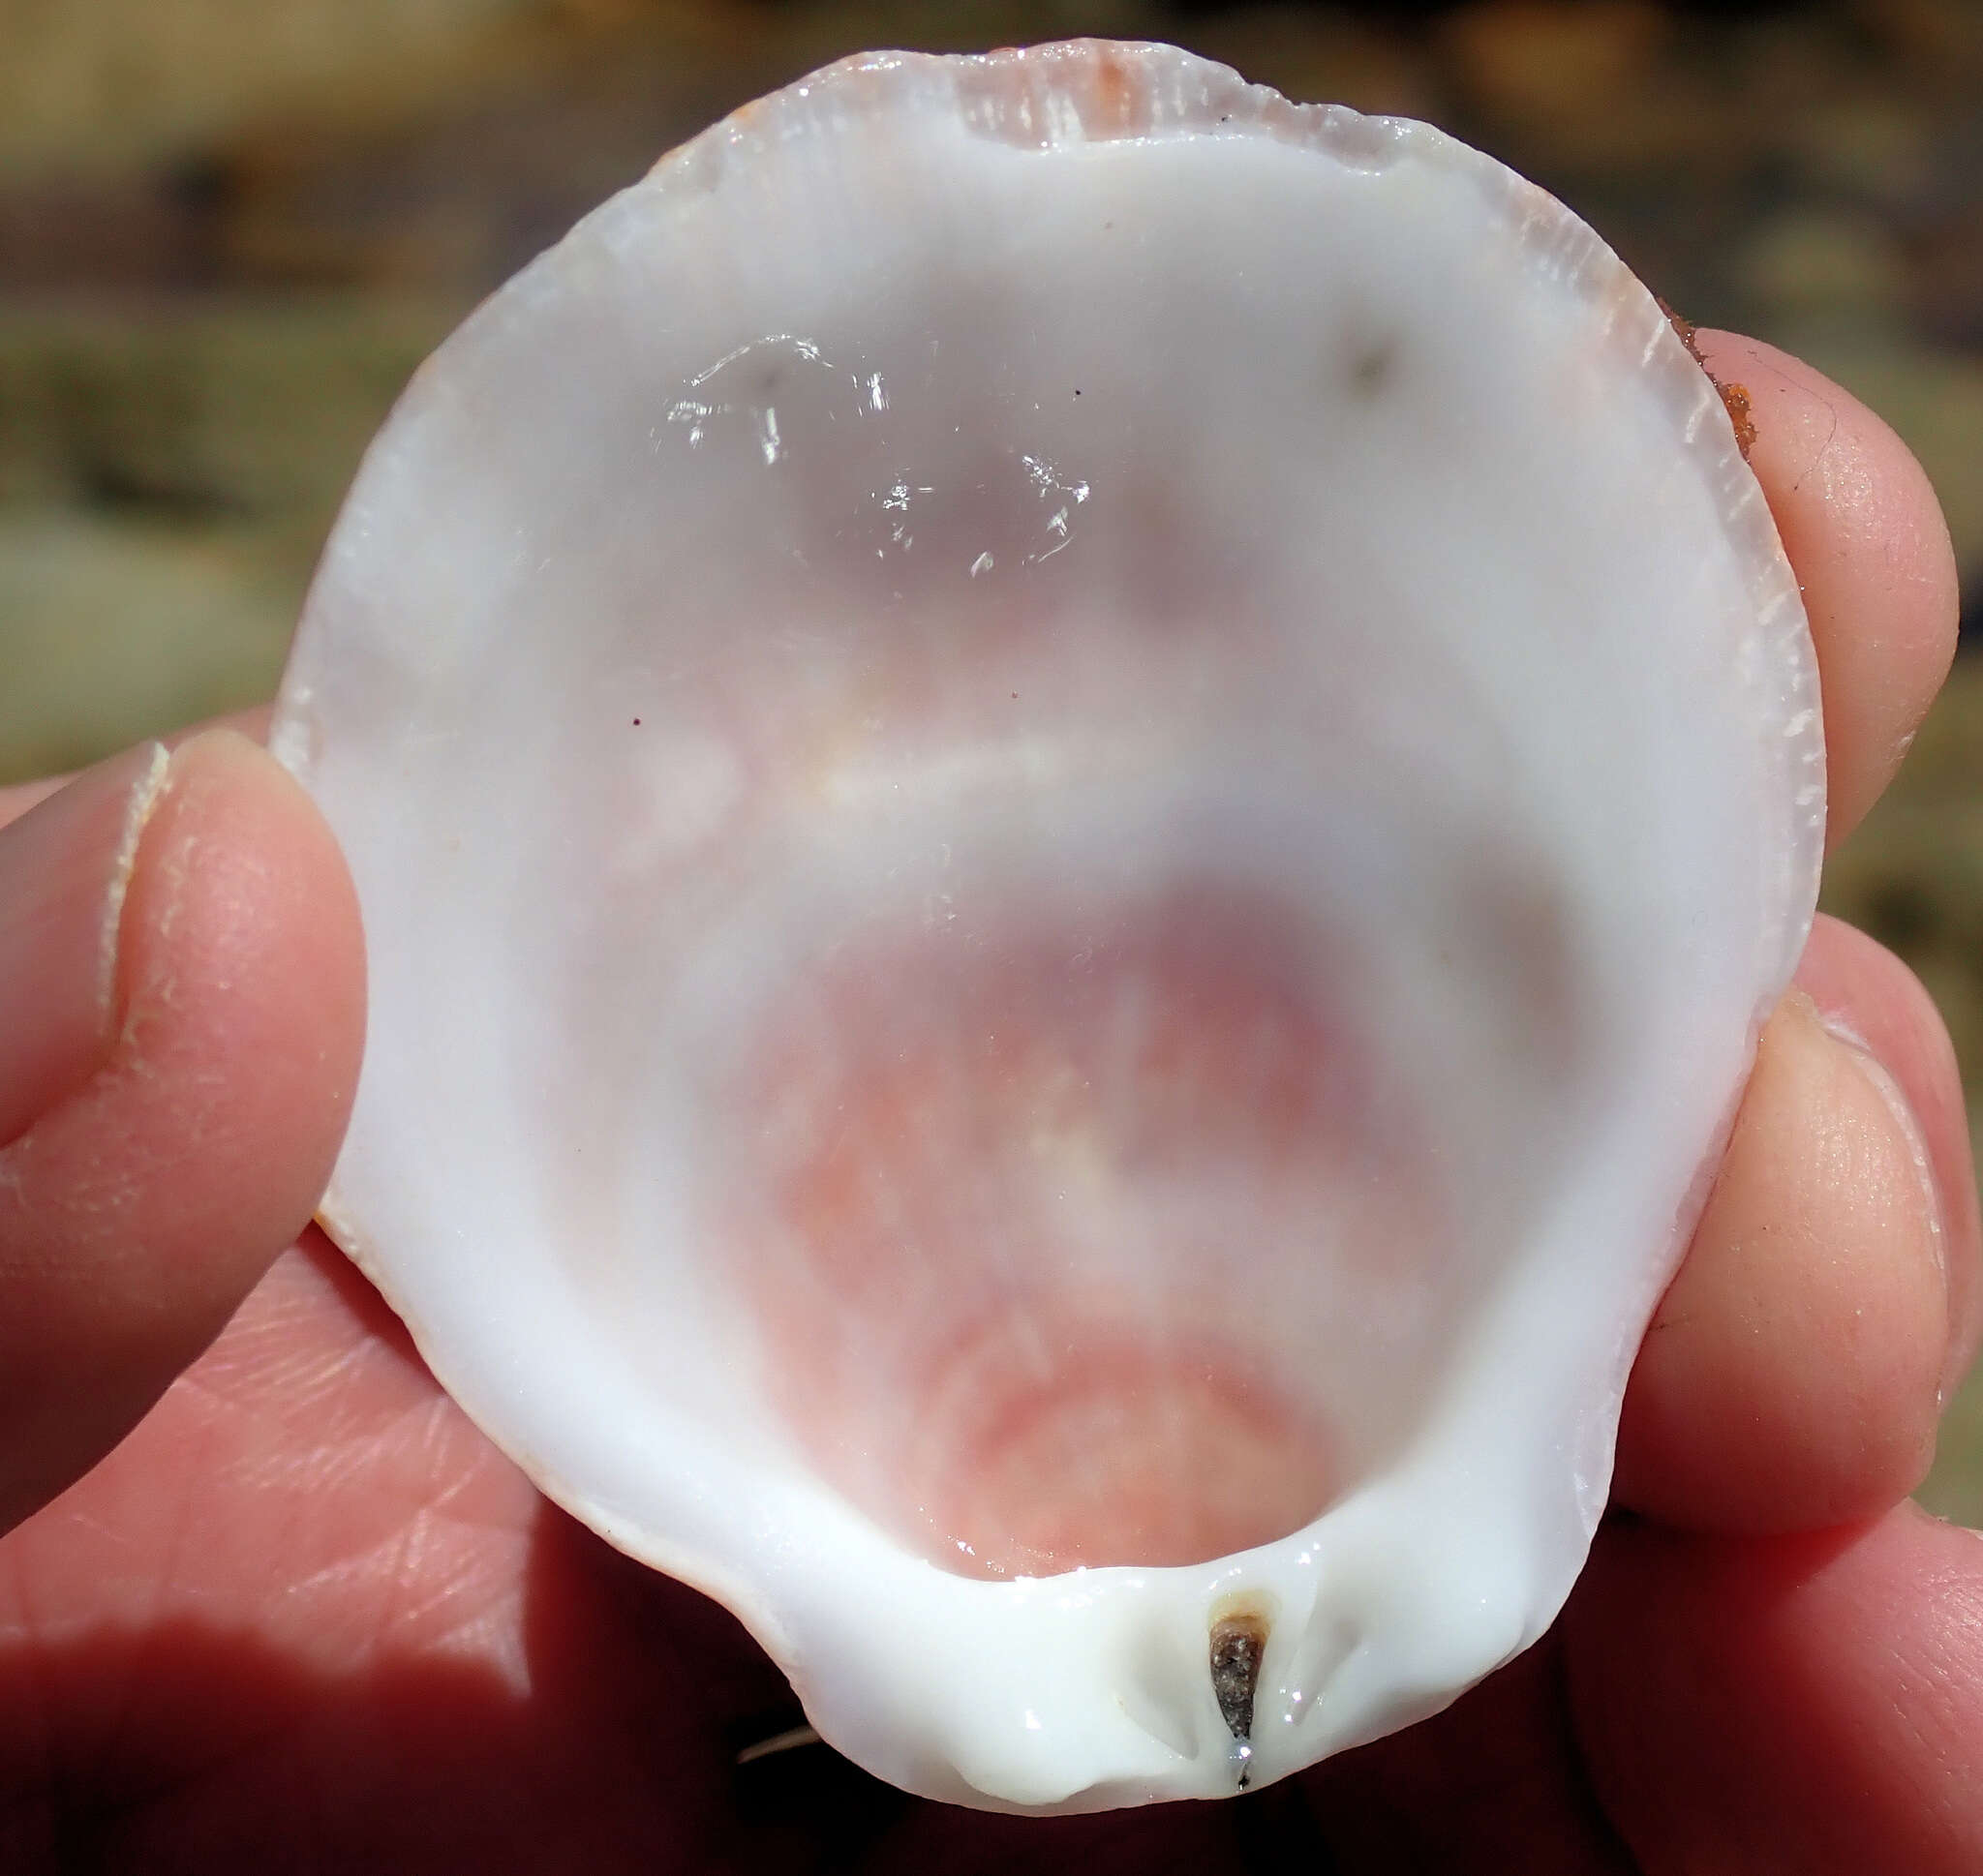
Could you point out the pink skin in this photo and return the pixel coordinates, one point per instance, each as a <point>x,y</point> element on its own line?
<point>303,1615</point>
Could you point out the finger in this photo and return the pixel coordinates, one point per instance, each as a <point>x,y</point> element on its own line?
<point>182,977</point>
<point>1794,1704</point>
<point>1493,1784</point>
<point>253,723</point>
<point>1794,1372</point>
<point>1866,536</point>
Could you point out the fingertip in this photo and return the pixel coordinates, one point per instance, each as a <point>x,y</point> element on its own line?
<point>241,946</point>
<point>1865,992</point>
<point>137,1211</point>
<point>1791,1377</point>
<point>242,988</point>
<point>1865,535</point>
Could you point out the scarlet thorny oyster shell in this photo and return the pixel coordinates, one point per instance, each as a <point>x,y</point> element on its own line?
<point>1075,793</point>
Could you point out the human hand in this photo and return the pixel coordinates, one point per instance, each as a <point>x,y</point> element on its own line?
<point>305,1616</point>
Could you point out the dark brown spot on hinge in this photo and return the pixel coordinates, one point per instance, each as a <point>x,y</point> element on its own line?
<point>1734,397</point>
<point>1237,1646</point>
<point>1239,1640</point>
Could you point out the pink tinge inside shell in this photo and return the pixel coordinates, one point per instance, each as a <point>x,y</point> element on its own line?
<point>1020,1247</point>
<point>1091,1445</point>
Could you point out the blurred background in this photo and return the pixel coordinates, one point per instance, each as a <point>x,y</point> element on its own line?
<point>229,229</point>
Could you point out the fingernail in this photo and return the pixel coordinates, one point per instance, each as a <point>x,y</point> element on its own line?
<point>64,867</point>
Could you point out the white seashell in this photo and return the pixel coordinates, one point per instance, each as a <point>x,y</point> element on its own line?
<point>1076,793</point>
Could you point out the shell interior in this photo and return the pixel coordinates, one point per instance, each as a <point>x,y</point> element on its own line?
<point>1074,792</point>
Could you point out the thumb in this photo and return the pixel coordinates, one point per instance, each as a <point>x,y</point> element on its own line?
<point>181,1014</point>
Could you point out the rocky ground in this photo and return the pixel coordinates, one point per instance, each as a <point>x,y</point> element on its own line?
<point>229,229</point>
